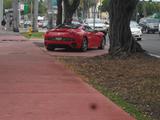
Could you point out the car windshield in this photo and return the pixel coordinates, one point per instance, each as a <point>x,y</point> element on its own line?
<point>69,26</point>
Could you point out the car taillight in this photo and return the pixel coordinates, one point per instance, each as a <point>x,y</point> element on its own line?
<point>45,37</point>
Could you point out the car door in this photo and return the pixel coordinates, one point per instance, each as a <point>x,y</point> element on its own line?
<point>91,36</point>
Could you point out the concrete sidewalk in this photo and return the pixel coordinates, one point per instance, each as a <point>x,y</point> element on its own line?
<point>33,86</point>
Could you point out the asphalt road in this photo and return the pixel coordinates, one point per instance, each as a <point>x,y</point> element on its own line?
<point>151,43</point>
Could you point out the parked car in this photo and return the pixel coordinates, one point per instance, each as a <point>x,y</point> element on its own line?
<point>149,25</point>
<point>45,24</point>
<point>27,24</point>
<point>136,30</point>
<point>99,24</point>
<point>75,36</point>
<point>40,23</point>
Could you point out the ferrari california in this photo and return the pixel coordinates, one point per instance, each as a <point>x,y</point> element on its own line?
<point>74,36</point>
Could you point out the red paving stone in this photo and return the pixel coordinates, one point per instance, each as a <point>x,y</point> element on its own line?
<point>33,86</point>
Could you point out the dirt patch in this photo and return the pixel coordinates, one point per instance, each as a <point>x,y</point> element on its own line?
<point>135,79</point>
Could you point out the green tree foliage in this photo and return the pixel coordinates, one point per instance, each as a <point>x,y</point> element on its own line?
<point>42,8</point>
<point>151,7</point>
<point>7,4</point>
<point>105,6</point>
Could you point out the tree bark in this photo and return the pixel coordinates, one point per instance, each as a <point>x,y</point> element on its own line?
<point>35,16</point>
<point>15,16</point>
<point>59,14</point>
<point>122,42</point>
<point>69,10</point>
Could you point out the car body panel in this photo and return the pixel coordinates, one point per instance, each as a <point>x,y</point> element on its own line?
<point>72,38</point>
<point>149,24</point>
<point>136,30</point>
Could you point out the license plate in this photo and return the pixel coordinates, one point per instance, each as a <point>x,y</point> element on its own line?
<point>58,38</point>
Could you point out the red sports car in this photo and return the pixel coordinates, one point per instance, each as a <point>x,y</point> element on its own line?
<point>74,36</point>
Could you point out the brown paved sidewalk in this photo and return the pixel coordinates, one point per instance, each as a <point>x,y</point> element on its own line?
<point>33,86</point>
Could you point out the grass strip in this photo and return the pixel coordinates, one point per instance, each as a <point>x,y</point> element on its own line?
<point>131,109</point>
<point>33,35</point>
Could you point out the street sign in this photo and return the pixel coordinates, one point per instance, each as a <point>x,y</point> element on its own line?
<point>26,8</point>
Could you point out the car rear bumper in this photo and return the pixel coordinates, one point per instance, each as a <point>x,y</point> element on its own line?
<point>62,44</point>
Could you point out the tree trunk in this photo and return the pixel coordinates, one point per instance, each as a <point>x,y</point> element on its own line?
<point>59,14</point>
<point>35,16</point>
<point>50,14</point>
<point>122,42</point>
<point>15,16</point>
<point>69,10</point>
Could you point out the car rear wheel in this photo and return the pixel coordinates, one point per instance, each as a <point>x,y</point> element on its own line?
<point>49,48</point>
<point>153,31</point>
<point>84,46</point>
<point>103,43</point>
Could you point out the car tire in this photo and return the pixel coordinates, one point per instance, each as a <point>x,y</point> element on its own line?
<point>84,46</point>
<point>103,43</point>
<point>50,48</point>
<point>147,31</point>
<point>139,39</point>
<point>143,30</point>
